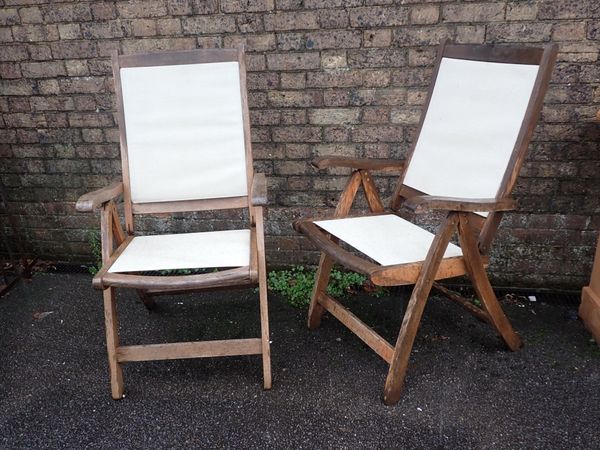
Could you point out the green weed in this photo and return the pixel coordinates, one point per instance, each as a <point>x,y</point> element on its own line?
<point>96,247</point>
<point>296,284</point>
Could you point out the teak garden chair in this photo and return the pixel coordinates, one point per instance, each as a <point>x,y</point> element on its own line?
<point>480,114</point>
<point>185,146</point>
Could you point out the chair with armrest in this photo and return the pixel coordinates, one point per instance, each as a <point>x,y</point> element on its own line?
<point>480,114</point>
<point>185,146</point>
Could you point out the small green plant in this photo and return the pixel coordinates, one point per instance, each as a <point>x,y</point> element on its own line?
<point>296,284</point>
<point>96,247</point>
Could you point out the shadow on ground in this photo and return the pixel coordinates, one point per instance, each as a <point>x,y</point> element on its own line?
<point>463,389</point>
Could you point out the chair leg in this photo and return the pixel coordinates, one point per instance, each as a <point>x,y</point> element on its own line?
<point>483,288</point>
<point>315,310</point>
<point>262,292</point>
<point>498,319</point>
<point>410,324</point>
<point>412,317</point>
<point>264,326</point>
<point>112,343</point>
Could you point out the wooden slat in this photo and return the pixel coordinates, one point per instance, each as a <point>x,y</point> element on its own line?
<point>379,345</point>
<point>229,277</point>
<point>402,274</point>
<point>117,229</point>
<point>92,200</point>
<point>371,193</point>
<point>116,68</point>
<point>106,233</point>
<point>259,190</point>
<point>196,56</point>
<point>333,250</point>
<point>97,280</point>
<point>183,350</point>
<point>253,255</point>
<point>190,205</point>
<point>465,303</point>
<point>495,53</point>
<point>387,165</point>
<point>424,203</point>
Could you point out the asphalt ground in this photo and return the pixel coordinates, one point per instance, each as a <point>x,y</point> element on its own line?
<point>463,389</point>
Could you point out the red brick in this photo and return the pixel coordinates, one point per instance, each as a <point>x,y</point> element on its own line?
<point>9,16</point>
<point>518,32</point>
<point>74,49</point>
<point>236,6</point>
<point>10,70</point>
<point>293,61</point>
<point>291,21</point>
<point>103,10</point>
<point>141,8</point>
<point>334,116</point>
<point>13,52</point>
<point>377,38</point>
<point>205,6</point>
<point>35,33</point>
<point>473,12</point>
<point>295,98</point>
<point>252,43</point>
<point>155,45</point>
<point>367,133</point>
<point>67,12</point>
<point>296,134</point>
<point>379,16</point>
<point>424,14</point>
<point>208,24</point>
<point>49,69</point>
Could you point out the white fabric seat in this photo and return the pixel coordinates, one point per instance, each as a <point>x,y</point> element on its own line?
<point>387,239</point>
<point>229,248</point>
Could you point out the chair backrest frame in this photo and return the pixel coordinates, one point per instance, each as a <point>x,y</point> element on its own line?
<point>197,56</point>
<point>544,57</point>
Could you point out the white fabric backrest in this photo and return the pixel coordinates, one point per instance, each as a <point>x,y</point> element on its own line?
<point>184,131</point>
<point>471,127</point>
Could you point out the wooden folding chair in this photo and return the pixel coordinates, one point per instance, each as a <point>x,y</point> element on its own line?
<point>185,146</point>
<point>480,114</point>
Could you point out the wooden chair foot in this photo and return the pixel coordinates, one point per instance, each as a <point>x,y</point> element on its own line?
<point>392,393</point>
<point>117,387</point>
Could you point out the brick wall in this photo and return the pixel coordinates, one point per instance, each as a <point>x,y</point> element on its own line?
<point>344,77</point>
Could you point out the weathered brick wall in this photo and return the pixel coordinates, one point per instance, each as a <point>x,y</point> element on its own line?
<point>344,77</point>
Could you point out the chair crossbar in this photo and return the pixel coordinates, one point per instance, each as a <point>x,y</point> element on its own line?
<point>185,350</point>
<point>379,345</point>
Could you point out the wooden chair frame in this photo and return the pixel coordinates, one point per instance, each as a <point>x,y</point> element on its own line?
<point>115,239</point>
<point>475,232</point>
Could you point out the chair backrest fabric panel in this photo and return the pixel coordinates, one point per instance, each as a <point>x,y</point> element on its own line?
<point>471,127</point>
<point>184,131</point>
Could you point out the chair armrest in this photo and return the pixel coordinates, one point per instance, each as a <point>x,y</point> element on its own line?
<point>390,165</point>
<point>259,190</point>
<point>92,200</point>
<point>422,203</point>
